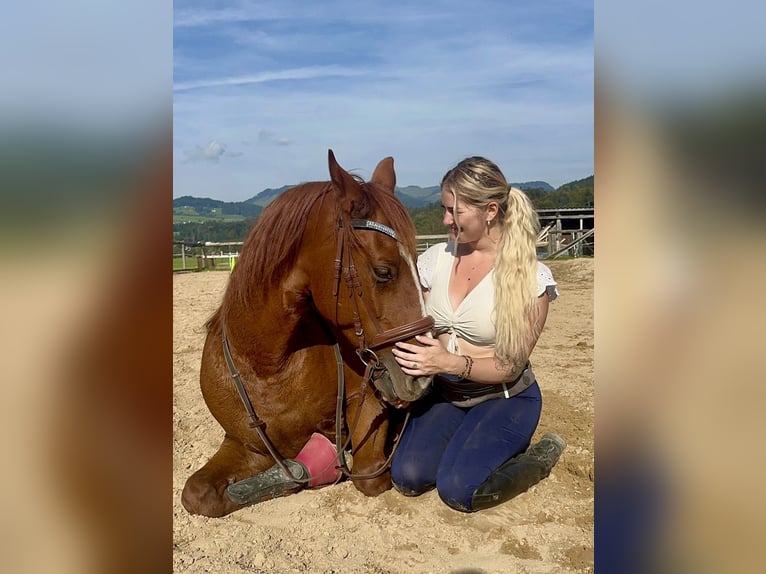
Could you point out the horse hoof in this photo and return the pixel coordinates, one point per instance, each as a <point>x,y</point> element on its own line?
<point>269,484</point>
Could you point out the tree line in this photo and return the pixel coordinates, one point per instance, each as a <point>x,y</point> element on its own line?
<point>427,219</point>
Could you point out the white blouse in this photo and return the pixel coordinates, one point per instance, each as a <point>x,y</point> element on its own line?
<point>469,320</point>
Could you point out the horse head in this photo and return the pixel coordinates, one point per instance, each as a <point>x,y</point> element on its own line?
<point>373,298</point>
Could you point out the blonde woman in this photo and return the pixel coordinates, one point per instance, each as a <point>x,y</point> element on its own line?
<point>489,298</point>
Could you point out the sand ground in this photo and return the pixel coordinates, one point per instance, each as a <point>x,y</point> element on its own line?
<point>548,529</point>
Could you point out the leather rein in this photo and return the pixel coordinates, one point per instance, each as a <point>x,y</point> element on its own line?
<point>365,351</point>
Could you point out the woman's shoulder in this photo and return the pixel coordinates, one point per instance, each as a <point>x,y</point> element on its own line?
<point>437,248</point>
<point>544,270</point>
<point>546,282</point>
<point>427,262</point>
<point>431,255</point>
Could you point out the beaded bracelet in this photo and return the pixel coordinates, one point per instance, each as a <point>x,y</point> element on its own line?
<point>468,366</point>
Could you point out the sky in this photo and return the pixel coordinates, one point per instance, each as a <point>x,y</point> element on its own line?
<point>261,90</point>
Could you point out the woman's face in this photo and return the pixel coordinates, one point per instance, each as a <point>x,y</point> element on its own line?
<point>473,223</point>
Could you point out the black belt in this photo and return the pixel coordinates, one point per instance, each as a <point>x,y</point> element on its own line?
<point>467,393</point>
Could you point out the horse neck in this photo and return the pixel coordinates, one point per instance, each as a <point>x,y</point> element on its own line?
<point>262,333</point>
<point>269,324</point>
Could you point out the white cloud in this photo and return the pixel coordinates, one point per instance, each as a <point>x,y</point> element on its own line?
<point>292,74</point>
<point>269,137</point>
<point>211,153</point>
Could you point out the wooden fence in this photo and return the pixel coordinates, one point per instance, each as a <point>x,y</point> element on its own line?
<point>565,232</point>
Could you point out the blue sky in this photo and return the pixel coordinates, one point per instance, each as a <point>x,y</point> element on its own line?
<point>263,89</point>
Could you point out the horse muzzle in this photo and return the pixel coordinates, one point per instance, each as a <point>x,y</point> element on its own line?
<point>398,388</point>
<point>394,385</point>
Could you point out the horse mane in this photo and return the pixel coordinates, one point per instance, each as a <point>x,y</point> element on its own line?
<point>271,247</point>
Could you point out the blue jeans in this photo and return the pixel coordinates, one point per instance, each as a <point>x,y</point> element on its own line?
<point>456,449</point>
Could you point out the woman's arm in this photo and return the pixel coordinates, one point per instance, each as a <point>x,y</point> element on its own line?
<point>431,358</point>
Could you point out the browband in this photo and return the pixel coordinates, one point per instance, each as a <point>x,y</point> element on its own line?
<point>374,225</point>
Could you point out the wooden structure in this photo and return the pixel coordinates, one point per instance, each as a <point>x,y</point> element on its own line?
<point>207,255</point>
<point>567,232</point>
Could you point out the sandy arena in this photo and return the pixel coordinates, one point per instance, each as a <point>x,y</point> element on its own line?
<point>336,529</point>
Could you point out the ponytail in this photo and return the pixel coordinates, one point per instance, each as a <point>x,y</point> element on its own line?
<point>515,280</point>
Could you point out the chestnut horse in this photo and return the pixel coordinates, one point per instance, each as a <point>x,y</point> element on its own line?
<point>284,309</point>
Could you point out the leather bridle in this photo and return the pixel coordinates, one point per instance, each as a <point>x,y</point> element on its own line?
<point>366,352</point>
<point>382,338</point>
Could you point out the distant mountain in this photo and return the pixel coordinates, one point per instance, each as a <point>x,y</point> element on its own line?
<point>544,185</point>
<point>410,196</point>
<point>198,203</point>
<point>188,208</point>
<point>580,184</point>
<point>573,194</point>
<point>416,196</point>
<point>267,195</point>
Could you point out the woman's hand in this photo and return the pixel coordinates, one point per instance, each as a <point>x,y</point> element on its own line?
<point>428,358</point>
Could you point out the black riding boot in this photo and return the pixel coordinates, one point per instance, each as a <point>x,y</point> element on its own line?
<point>517,474</point>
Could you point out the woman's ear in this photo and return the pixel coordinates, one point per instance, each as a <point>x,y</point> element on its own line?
<point>491,211</point>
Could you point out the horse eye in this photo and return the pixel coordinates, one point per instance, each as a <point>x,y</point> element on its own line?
<point>382,274</point>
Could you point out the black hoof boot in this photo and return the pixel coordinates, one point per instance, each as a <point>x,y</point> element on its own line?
<point>269,484</point>
<point>519,473</point>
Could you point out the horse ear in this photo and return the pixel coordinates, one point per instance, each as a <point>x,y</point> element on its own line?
<point>384,174</point>
<point>344,183</point>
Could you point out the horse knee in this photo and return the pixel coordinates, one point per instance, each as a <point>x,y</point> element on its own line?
<point>201,497</point>
<point>373,486</point>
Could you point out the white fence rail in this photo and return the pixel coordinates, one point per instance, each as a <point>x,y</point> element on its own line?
<point>551,243</point>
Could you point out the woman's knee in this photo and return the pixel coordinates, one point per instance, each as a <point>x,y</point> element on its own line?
<point>455,491</point>
<point>410,478</point>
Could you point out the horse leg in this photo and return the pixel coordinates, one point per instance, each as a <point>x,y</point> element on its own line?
<point>368,439</point>
<point>205,491</point>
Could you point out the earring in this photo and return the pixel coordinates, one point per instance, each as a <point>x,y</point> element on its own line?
<point>488,227</point>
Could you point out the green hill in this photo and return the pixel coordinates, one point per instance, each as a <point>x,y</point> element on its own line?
<point>198,209</point>
<point>526,185</point>
<point>577,193</point>
<point>205,219</point>
<point>428,219</point>
<point>268,195</point>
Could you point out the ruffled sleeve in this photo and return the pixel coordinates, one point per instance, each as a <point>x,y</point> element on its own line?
<point>427,264</point>
<point>545,282</point>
